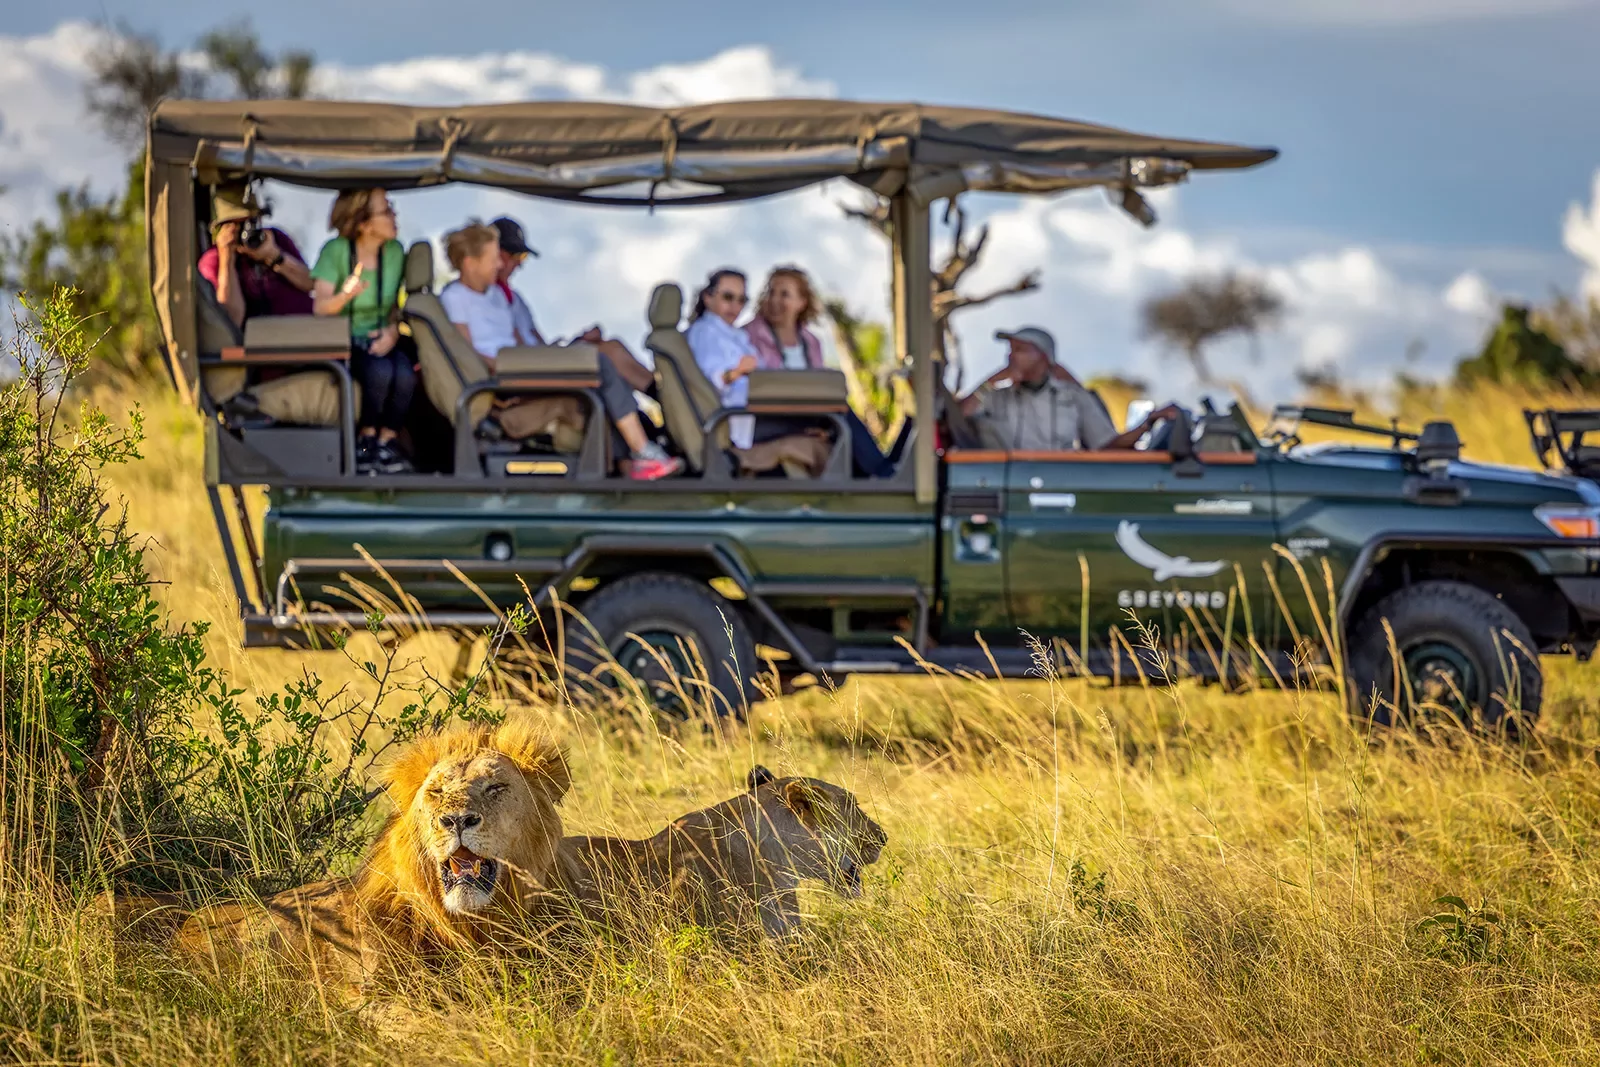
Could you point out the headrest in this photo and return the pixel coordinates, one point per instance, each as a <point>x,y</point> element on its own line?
<point>666,307</point>
<point>419,267</point>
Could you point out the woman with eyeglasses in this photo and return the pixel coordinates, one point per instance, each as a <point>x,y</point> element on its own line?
<point>723,351</point>
<point>358,275</point>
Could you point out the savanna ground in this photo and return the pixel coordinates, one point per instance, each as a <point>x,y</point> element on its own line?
<point>1075,874</point>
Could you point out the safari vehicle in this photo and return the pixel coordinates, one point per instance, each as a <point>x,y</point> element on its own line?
<point>965,559</point>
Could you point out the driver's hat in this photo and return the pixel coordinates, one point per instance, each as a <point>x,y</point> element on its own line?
<point>1033,335</point>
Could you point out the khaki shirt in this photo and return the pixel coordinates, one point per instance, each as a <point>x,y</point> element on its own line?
<point>1059,415</point>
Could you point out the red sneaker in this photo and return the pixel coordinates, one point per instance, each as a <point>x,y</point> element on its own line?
<point>648,470</point>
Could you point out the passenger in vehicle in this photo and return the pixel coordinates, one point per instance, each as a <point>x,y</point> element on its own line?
<point>358,275</point>
<point>514,251</point>
<point>727,355</point>
<point>255,269</point>
<point>480,310</point>
<point>1044,407</point>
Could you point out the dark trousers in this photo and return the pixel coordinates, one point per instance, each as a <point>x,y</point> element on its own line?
<point>387,382</point>
<point>866,457</point>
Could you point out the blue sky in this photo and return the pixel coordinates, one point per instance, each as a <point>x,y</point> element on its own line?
<point>1430,147</point>
<point>1464,125</point>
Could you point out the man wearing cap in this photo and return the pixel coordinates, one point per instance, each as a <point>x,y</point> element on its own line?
<point>270,278</point>
<point>514,251</point>
<point>1045,409</point>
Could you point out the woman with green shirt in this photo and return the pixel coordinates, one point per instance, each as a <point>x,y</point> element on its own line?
<point>358,275</point>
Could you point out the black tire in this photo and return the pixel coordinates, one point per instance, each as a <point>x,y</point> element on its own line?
<point>1452,638</point>
<point>685,621</point>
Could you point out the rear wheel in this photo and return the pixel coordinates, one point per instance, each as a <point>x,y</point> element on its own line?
<point>686,646</point>
<point>1459,647</point>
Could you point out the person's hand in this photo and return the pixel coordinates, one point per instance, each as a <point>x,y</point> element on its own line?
<point>266,252</point>
<point>382,342</point>
<point>354,285</point>
<point>590,336</point>
<point>745,365</point>
<point>228,238</point>
<point>1168,412</point>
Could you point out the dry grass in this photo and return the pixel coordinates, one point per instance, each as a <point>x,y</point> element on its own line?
<point>1074,874</point>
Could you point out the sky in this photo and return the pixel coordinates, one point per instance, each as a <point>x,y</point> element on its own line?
<point>1437,155</point>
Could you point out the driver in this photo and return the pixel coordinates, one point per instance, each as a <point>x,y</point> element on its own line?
<point>1033,404</point>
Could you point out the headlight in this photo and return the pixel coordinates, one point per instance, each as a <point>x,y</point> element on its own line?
<point>1571,520</point>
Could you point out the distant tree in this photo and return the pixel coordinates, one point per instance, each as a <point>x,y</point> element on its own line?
<point>876,384</point>
<point>1205,309</point>
<point>95,246</point>
<point>1517,352</point>
<point>1574,324</point>
<point>94,249</point>
<point>964,253</point>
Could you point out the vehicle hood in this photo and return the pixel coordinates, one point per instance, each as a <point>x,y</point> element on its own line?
<point>1549,485</point>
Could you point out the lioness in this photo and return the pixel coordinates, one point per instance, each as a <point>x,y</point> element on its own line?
<point>731,866</point>
<point>472,840</point>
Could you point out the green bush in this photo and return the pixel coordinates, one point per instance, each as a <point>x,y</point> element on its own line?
<point>123,755</point>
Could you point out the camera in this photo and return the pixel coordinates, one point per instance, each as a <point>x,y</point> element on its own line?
<point>253,234</point>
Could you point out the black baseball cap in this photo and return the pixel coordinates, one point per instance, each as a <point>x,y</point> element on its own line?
<point>511,237</point>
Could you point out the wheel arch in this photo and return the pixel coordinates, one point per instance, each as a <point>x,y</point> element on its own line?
<point>610,558</point>
<point>1516,574</point>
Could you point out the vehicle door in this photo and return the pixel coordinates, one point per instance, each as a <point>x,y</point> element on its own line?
<point>1095,540</point>
<point>972,530</point>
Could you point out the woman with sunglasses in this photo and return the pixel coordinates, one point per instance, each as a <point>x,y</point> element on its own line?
<point>723,351</point>
<point>358,275</point>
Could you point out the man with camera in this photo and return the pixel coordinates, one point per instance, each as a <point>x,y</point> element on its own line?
<point>256,269</point>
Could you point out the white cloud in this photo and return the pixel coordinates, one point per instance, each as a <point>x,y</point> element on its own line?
<point>1347,307</point>
<point>1580,233</point>
<point>1393,12</point>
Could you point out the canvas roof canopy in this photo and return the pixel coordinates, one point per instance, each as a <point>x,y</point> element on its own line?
<point>727,150</point>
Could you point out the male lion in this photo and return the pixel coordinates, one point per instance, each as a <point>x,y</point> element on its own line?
<point>472,840</point>
<point>732,866</point>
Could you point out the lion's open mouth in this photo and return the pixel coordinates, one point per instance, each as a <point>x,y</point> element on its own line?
<point>466,868</point>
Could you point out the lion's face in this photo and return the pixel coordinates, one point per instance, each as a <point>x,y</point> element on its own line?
<point>822,830</point>
<point>476,821</point>
<point>474,813</point>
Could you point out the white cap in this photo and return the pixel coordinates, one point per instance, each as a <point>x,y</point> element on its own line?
<point>1032,335</point>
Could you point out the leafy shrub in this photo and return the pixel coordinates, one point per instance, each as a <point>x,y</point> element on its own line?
<point>123,755</point>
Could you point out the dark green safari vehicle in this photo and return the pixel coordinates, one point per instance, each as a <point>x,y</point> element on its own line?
<point>1215,552</point>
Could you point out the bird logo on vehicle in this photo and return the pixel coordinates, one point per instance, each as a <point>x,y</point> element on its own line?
<point>1160,565</point>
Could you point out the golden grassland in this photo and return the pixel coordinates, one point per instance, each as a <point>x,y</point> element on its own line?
<point>1075,874</point>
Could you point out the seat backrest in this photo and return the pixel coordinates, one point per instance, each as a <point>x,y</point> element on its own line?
<point>678,376</point>
<point>216,332</point>
<point>449,363</point>
<point>312,334</point>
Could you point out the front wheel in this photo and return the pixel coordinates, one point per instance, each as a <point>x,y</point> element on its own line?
<point>682,643</point>
<point>1459,647</point>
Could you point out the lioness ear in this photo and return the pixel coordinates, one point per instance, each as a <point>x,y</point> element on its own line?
<point>759,776</point>
<point>800,799</point>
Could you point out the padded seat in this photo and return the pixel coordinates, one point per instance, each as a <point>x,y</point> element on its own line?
<point>297,333</point>
<point>576,361</point>
<point>689,401</point>
<point>793,391</point>
<point>454,374</point>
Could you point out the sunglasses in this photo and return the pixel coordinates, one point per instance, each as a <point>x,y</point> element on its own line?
<point>387,212</point>
<point>736,298</point>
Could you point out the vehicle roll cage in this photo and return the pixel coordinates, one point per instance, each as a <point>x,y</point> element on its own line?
<point>591,152</point>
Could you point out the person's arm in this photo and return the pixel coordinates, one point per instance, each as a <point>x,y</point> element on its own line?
<point>326,300</point>
<point>522,320</point>
<point>720,361</point>
<point>972,403</point>
<point>230,293</point>
<point>1128,438</point>
<point>282,261</point>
